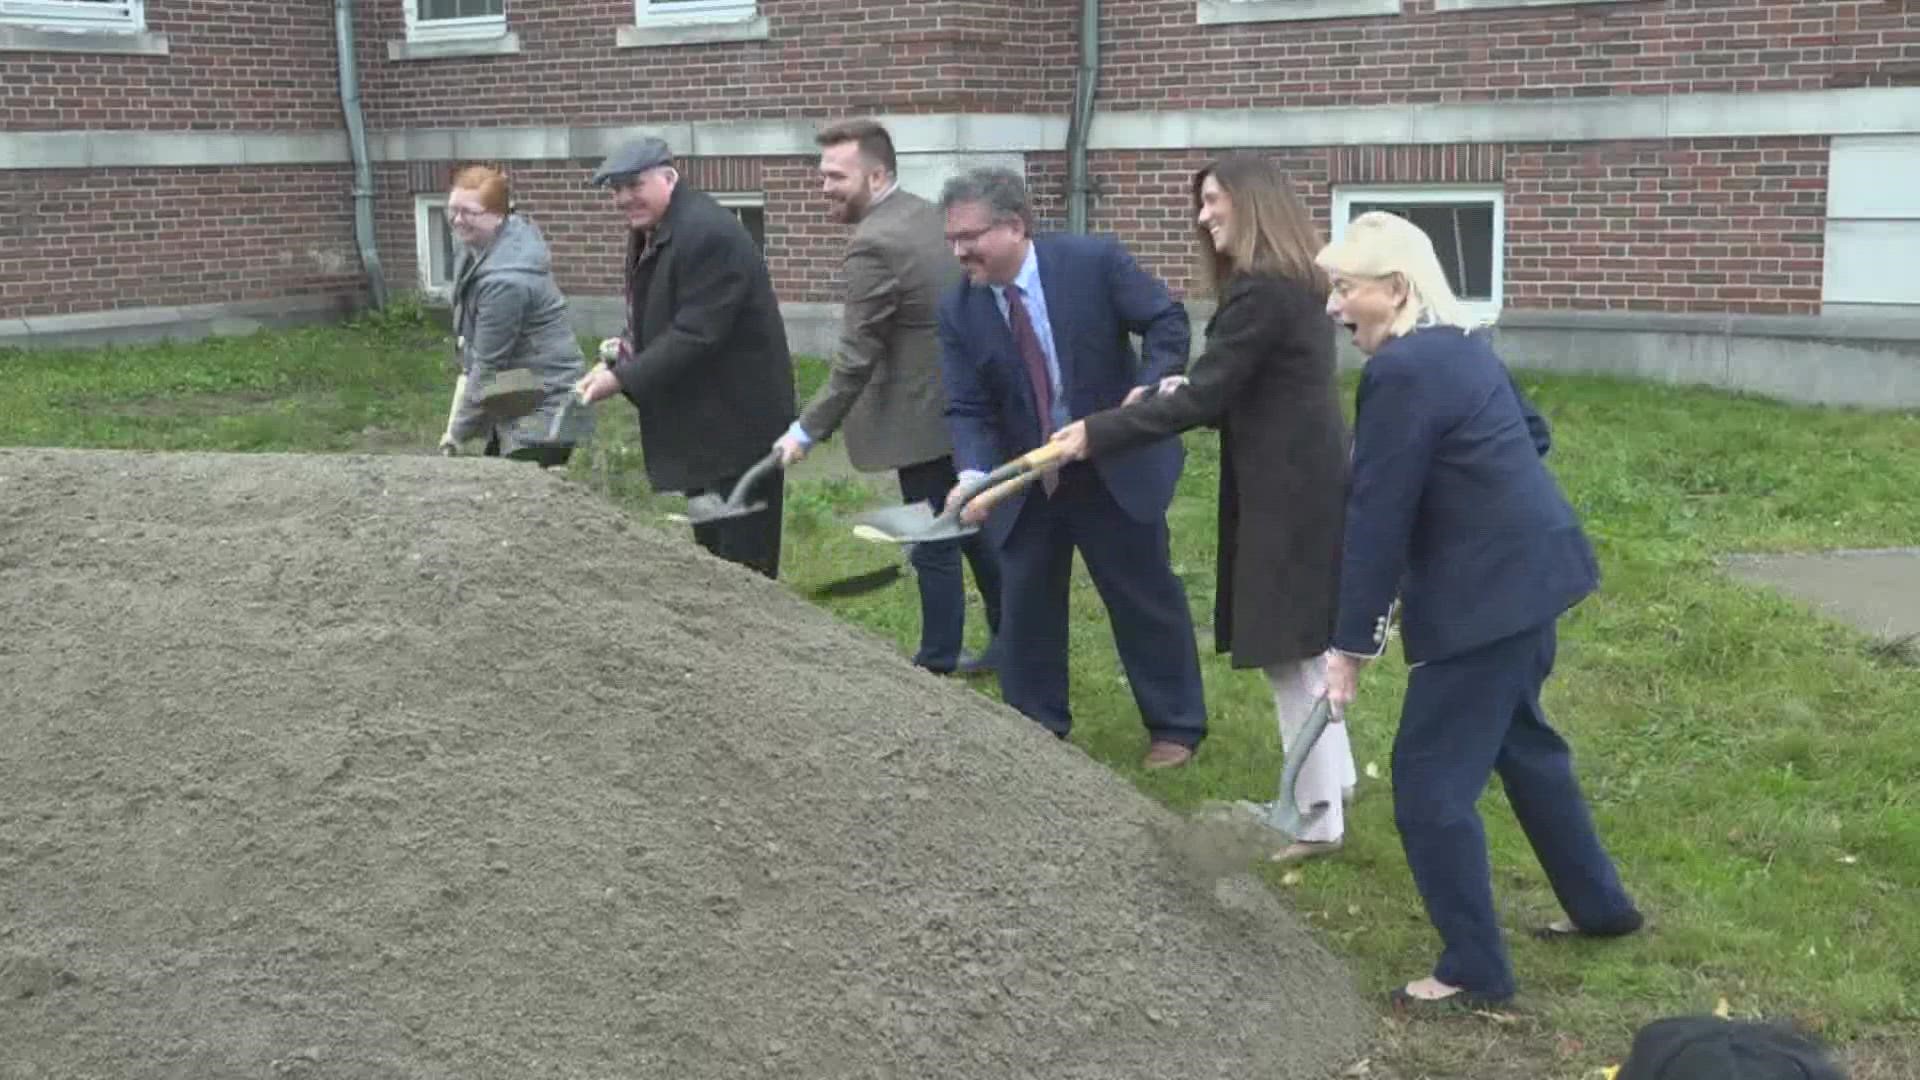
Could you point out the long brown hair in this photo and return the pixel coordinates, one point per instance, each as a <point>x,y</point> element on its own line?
<point>1270,231</point>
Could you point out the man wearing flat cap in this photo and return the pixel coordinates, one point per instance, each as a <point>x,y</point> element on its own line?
<point>704,358</point>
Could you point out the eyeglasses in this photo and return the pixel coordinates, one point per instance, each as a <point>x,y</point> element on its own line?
<point>969,237</point>
<point>459,213</point>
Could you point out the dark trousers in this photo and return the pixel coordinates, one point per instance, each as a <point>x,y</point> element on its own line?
<point>752,540</point>
<point>547,457</point>
<point>1146,606</point>
<point>936,566</point>
<point>1465,718</point>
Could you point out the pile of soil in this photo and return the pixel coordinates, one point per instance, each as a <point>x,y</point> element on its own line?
<point>423,768</point>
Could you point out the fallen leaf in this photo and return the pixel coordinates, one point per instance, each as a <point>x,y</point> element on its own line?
<point>1353,909</point>
<point>1291,877</point>
<point>1849,860</point>
<point>1363,1067</point>
<point>1373,771</point>
<point>1608,1073</point>
<point>1724,1010</point>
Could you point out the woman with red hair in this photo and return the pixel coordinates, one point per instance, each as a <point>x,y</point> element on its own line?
<point>508,314</point>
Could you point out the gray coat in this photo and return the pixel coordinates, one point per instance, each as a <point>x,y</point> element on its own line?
<point>885,387</point>
<point>508,313</point>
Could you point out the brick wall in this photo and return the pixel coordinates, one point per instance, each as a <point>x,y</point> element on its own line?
<point>246,64</point>
<point>1156,57</point>
<point>824,58</point>
<point>1691,225</point>
<point>588,238</point>
<point>78,241</point>
<point>1701,225</point>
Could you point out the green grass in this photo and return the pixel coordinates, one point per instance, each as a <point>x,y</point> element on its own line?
<point>1752,767</point>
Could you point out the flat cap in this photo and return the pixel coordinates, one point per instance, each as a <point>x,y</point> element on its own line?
<point>633,157</point>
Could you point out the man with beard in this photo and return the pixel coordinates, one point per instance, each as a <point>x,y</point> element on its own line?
<point>885,386</point>
<point>704,359</point>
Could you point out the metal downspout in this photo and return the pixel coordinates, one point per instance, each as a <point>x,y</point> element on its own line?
<point>362,163</point>
<point>1086,81</point>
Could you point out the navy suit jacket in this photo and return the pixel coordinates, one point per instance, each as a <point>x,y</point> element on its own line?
<point>1451,505</point>
<point>1096,296</point>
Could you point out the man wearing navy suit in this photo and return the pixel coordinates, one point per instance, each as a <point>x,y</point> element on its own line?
<point>1035,338</point>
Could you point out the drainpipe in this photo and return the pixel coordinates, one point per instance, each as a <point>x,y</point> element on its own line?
<point>362,163</point>
<point>1086,80</point>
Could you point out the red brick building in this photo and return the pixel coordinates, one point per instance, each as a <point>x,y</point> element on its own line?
<point>1717,190</point>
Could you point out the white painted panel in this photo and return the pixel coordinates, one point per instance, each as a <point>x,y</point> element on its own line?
<point>1874,178</point>
<point>924,174</point>
<point>1872,262</point>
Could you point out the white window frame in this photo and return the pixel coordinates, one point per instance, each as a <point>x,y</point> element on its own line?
<point>659,12</point>
<point>423,207</point>
<point>466,29</point>
<point>1345,195</point>
<point>743,200</point>
<point>1226,12</point>
<point>118,15</point>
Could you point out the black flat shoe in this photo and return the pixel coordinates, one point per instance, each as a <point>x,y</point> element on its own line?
<point>1463,1001</point>
<point>1551,932</point>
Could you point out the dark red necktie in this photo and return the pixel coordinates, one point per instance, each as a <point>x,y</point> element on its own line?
<point>1028,342</point>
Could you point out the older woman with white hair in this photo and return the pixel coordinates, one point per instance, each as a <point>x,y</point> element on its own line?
<point>1451,508</point>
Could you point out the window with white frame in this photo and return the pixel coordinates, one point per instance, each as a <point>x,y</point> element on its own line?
<point>128,15</point>
<point>1215,12</point>
<point>433,245</point>
<point>751,209</point>
<point>648,12</point>
<point>1466,224</point>
<point>455,20</point>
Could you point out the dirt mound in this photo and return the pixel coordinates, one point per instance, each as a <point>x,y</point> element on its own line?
<point>389,767</point>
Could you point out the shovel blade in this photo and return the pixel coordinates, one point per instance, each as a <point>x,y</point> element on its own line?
<point>915,523</point>
<point>702,509</point>
<point>511,395</point>
<point>1285,813</point>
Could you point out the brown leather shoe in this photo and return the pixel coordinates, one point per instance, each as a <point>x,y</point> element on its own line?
<point>1167,755</point>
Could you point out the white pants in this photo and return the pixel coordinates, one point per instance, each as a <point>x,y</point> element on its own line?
<point>1328,774</point>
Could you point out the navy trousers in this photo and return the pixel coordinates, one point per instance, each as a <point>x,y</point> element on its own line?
<point>936,567</point>
<point>1465,718</point>
<point>1146,606</point>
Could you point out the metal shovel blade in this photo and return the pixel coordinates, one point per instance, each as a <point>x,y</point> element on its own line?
<point>1284,814</point>
<point>511,395</point>
<point>915,523</point>
<point>707,506</point>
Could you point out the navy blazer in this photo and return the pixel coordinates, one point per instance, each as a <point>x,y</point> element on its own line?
<point>1450,505</point>
<point>1096,296</point>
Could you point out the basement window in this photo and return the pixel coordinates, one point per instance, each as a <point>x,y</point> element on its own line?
<point>1466,224</point>
<point>438,29</point>
<point>433,246</point>
<point>78,26</point>
<point>124,15</point>
<point>751,209</point>
<point>1222,12</point>
<point>689,22</point>
<point>646,11</point>
<point>455,20</point>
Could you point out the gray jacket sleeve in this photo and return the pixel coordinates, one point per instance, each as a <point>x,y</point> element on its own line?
<point>873,291</point>
<point>500,309</point>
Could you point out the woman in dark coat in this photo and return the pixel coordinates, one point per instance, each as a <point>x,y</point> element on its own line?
<point>1266,380</point>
